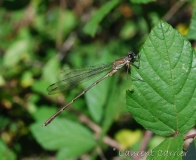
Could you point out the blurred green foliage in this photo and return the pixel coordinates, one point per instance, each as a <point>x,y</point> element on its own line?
<point>41,38</point>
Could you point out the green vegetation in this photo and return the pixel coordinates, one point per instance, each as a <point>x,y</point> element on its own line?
<point>39,39</point>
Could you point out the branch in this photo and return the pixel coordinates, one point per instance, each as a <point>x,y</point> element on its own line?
<point>84,119</point>
<point>190,137</point>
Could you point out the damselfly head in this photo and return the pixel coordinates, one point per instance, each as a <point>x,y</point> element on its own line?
<point>132,56</point>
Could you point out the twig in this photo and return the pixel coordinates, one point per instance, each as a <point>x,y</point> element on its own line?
<point>101,154</point>
<point>84,119</point>
<point>59,35</point>
<point>173,10</point>
<point>190,136</point>
<point>144,143</point>
<point>66,46</point>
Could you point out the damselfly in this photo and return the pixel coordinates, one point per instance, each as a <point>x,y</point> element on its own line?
<point>74,77</point>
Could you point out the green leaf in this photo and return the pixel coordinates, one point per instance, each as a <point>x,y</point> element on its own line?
<point>165,102</point>
<point>96,97</point>
<point>4,122</point>
<point>51,70</point>
<point>128,30</point>
<point>6,153</point>
<point>15,52</point>
<point>195,142</point>
<point>2,81</point>
<point>68,154</point>
<point>69,21</point>
<point>27,79</point>
<point>91,27</point>
<point>192,30</point>
<point>170,148</point>
<point>64,134</point>
<point>115,103</point>
<point>43,113</point>
<point>155,141</point>
<point>142,1</point>
<point>40,86</point>
<point>56,23</point>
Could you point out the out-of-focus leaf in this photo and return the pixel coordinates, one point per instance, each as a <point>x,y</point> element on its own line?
<point>128,138</point>
<point>154,17</point>
<point>40,86</point>
<point>113,105</point>
<point>6,153</point>
<point>165,102</point>
<point>51,70</point>
<point>67,154</point>
<point>192,30</point>
<point>64,134</point>
<point>195,142</point>
<point>170,148</point>
<point>116,103</point>
<point>142,1</point>
<point>182,28</point>
<point>69,21</point>
<point>4,121</point>
<point>2,81</point>
<point>27,79</point>
<point>48,23</point>
<point>31,105</point>
<point>128,30</point>
<point>155,141</point>
<point>54,23</point>
<point>91,27</point>
<point>8,26</point>
<point>96,97</point>
<point>15,52</point>
<point>43,113</point>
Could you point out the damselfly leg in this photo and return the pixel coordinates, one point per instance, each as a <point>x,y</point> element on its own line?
<point>72,78</point>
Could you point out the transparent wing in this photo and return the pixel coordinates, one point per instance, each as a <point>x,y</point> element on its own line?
<point>70,78</point>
